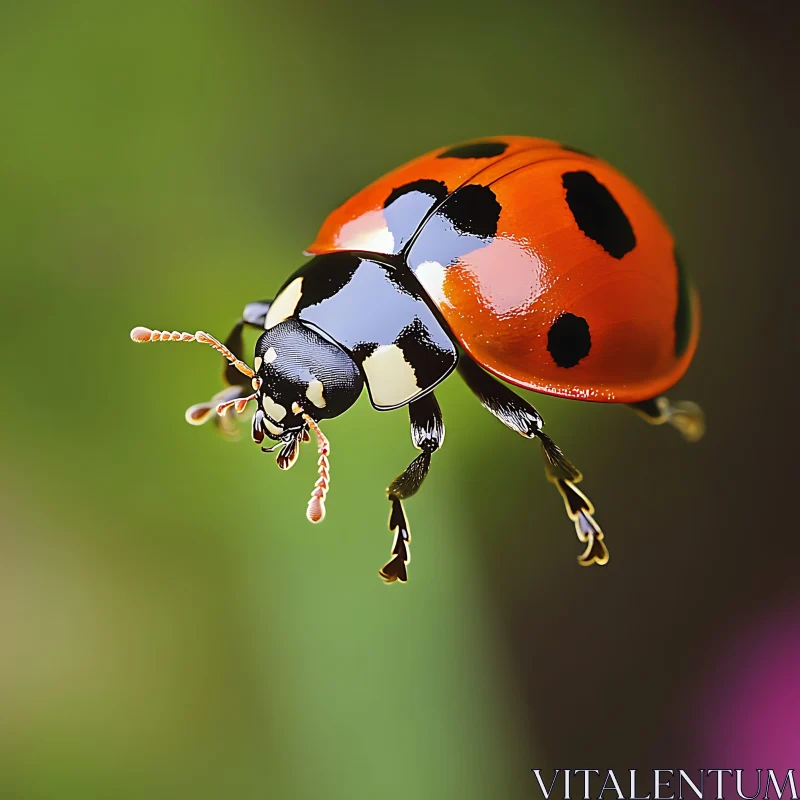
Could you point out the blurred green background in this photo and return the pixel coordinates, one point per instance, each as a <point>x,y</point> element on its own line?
<point>170,625</point>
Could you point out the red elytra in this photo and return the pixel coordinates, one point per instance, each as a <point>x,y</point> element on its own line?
<point>577,293</point>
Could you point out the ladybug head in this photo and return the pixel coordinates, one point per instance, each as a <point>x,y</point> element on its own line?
<point>300,375</point>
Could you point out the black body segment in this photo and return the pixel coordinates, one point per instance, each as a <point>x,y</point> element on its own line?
<point>379,314</point>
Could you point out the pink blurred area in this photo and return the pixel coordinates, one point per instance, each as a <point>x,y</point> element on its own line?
<point>747,704</point>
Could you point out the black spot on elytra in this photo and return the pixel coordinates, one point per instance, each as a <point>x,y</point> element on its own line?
<point>426,186</point>
<point>683,312</point>
<point>466,221</point>
<point>568,340</point>
<point>475,150</point>
<point>598,214</point>
<point>576,150</point>
<point>473,211</point>
<point>406,207</point>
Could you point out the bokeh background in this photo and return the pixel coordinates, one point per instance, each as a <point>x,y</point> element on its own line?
<point>170,625</point>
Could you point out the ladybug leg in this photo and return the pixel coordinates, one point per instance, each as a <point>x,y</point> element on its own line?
<point>237,384</point>
<point>235,343</point>
<point>521,417</point>
<point>684,415</point>
<point>427,433</point>
<point>254,316</point>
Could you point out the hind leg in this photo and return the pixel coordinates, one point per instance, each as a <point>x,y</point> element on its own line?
<point>685,416</point>
<point>521,417</point>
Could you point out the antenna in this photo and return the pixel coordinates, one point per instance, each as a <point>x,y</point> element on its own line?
<point>141,334</point>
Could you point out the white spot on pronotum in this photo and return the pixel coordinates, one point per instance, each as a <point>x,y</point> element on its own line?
<point>284,304</point>
<point>314,393</point>
<point>297,408</point>
<point>392,380</point>
<point>275,430</point>
<point>270,355</point>
<point>257,363</point>
<point>431,275</point>
<point>273,409</point>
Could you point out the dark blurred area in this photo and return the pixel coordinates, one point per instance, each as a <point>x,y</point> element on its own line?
<point>171,626</point>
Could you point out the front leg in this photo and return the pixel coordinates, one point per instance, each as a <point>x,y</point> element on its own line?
<point>237,385</point>
<point>427,434</point>
<point>254,316</point>
<point>522,417</point>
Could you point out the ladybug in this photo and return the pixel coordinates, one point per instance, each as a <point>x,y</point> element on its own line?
<point>514,260</point>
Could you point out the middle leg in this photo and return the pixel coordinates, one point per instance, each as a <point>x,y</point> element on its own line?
<point>427,434</point>
<point>686,416</point>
